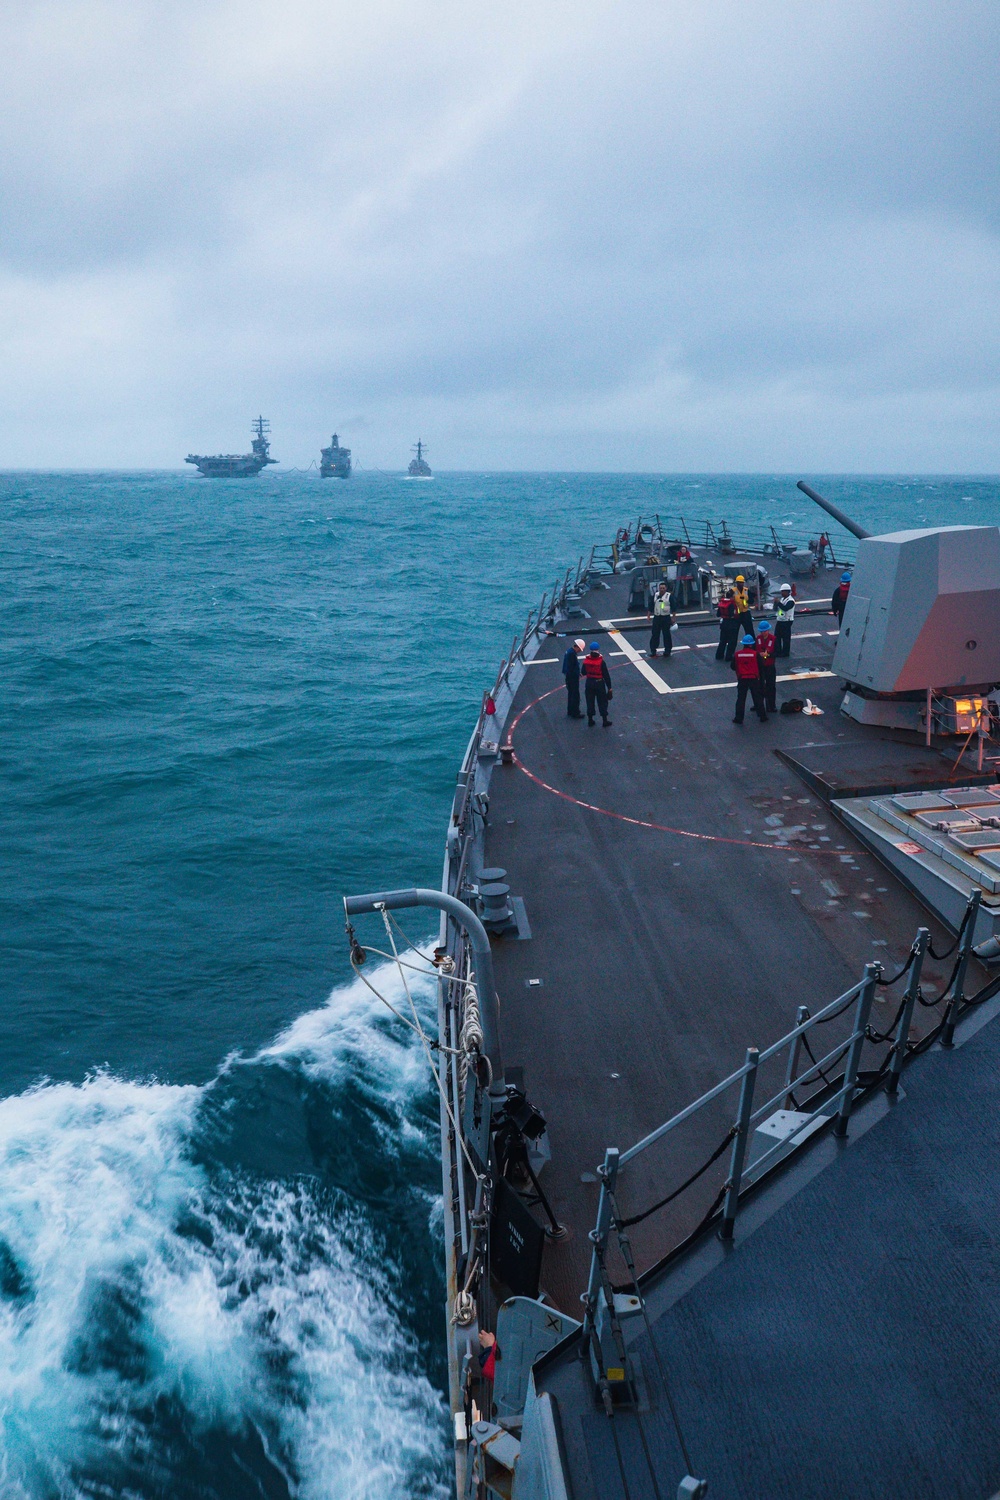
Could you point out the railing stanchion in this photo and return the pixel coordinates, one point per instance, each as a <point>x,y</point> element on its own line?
<point>861,1014</point>
<point>906,1014</point>
<point>958,988</point>
<point>794,1052</point>
<point>739,1145</point>
<point>599,1237</point>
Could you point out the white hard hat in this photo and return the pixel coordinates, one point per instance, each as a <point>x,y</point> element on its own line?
<point>580,645</point>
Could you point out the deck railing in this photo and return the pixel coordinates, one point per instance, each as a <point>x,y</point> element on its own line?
<point>719,536</point>
<point>791,1124</point>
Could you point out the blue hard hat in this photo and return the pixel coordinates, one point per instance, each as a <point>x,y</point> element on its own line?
<point>594,646</point>
<point>845,577</point>
<point>764,625</point>
<point>748,640</point>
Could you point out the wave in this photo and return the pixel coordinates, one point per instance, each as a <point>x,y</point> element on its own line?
<point>210,1290</point>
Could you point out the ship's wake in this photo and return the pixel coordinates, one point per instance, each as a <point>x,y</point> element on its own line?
<point>227,1290</point>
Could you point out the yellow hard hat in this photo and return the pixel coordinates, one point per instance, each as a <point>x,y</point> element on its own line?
<point>740,578</point>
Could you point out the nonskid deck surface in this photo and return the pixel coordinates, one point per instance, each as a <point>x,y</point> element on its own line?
<point>846,1344</point>
<point>668,931</point>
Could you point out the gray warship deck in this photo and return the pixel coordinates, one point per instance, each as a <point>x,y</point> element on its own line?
<point>681,909</point>
<point>687,889</point>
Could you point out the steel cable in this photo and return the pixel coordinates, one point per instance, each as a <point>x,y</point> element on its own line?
<point>877,1037</point>
<point>888,983</point>
<point>621,1224</point>
<point>816,1067</point>
<point>947,954</point>
<point>930,1004</point>
<point>827,1019</point>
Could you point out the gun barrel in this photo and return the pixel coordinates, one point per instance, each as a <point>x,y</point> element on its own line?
<point>835,512</point>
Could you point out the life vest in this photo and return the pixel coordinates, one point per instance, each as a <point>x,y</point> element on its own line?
<point>746,664</point>
<point>785,608</point>
<point>593,667</point>
<point>765,648</point>
<point>661,604</point>
<point>726,609</point>
<point>742,600</point>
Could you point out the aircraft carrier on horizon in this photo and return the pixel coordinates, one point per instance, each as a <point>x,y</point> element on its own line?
<point>238,465</point>
<point>718,1051</point>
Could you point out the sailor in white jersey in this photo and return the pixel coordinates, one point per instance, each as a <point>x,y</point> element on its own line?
<point>785,613</point>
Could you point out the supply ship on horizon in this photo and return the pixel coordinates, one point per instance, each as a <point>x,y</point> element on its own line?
<point>335,461</point>
<point>718,1031</point>
<point>419,467</point>
<point>237,465</point>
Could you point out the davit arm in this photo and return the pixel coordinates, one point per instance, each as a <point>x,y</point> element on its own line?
<point>481,955</point>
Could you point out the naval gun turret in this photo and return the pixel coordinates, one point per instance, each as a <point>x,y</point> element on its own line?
<point>919,646</point>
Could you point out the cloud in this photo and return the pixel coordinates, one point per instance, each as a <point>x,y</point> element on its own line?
<point>669,235</point>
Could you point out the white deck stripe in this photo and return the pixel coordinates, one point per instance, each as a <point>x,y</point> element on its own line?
<point>707,687</point>
<point>673,652</point>
<point>634,657</point>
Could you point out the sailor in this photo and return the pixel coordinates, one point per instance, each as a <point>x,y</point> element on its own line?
<point>597,680</point>
<point>489,1353</point>
<point>662,621</point>
<point>839,601</point>
<point>728,626</point>
<point>766,646</point>
<point>746,665</point>
<point>686,574</point>
<point>571,672</point>
<point>785,612</point>
<point>742,597</point>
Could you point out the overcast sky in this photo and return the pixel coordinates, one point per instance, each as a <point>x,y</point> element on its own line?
<point>688,234</point>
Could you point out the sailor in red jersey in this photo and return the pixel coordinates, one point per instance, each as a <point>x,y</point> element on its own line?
<point>597,684</point>
<point>728,626</point>
<point>766,651</point>
<point>839,601</point>
<point>746,665</point>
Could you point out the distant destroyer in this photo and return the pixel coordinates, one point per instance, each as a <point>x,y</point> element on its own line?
<point>238,465</point>
<point>335,460</point>
<point>419,467</point>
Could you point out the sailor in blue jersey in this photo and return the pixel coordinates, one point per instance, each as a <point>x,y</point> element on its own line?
<point>571,672</point>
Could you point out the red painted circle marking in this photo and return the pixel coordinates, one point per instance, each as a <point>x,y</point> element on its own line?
<point>607,812</point>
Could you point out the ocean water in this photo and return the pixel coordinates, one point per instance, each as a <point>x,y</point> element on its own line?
<point>225,704</point>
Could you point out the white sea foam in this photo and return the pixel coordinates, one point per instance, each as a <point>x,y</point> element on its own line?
<point>138,1279</point>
